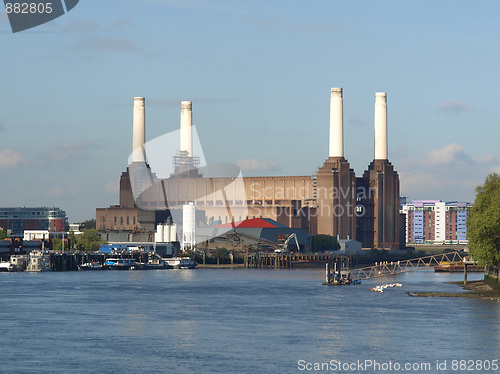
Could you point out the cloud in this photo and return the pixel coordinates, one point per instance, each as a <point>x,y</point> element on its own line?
<point>107,44</point>
<point>451,154</point>
<point>290,25</point>
<point>83,25</point>
<point>453,107</point>
<point>254,165</point>
<point>123,23</point>
<point>86,26</point>
<point>69,151</point>
<point>447,173</point>
<point>57,192</point>
<point>112,187</point>
<point>10,159</point>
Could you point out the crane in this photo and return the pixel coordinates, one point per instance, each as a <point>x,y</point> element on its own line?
<point>287,241</point>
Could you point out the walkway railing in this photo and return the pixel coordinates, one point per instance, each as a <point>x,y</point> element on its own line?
<point>391,268</point>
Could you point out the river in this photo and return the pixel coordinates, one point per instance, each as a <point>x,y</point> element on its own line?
<point>240,321</point>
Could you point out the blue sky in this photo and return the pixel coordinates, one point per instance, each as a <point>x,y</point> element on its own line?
<point>259,74</point>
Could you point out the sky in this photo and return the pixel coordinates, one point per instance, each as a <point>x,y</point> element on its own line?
<point>259,75</point>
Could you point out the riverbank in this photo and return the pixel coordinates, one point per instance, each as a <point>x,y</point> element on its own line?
<point>477,290</point>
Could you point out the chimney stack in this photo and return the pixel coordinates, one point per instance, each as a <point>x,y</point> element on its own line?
<point>139,131</point>
<point>336,124</point>
<point>381,126</point>
<point>186,128</point>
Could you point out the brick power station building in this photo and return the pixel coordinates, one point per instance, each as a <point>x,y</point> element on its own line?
<point>333,201</point>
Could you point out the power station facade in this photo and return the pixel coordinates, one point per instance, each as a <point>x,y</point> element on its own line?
<point>332,202</point>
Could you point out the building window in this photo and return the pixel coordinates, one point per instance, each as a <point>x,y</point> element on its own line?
<point>115,220</point>
<point>128,220</point>
<point>134,220</point>
<point>121,220</point>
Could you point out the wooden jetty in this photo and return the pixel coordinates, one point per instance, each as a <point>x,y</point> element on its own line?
<point>291,260</point>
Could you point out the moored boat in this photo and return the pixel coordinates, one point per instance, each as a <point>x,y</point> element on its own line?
<point>457,266</point>
<point>181,262</point>
<point>120,264</point>
<point>39,261</point>
<point>90,266</point>
<point>155,263</point>
<point>21,261</point>
<point>8,267</point>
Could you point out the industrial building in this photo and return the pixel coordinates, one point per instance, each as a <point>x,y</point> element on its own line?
<point>332,201</point>
<point>436,222</point>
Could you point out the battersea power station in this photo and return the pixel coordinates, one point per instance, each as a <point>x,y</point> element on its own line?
<point>194,201</point>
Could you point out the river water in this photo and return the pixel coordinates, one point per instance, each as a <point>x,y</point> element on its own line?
<point>240,321</point>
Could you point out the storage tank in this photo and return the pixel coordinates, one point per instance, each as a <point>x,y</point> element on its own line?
<point>188,226</point>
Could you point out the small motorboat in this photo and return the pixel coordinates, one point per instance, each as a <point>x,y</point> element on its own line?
<point>121,264</point>
<point>381,288</point>
<point>90,266</point>
<point>8,267</point>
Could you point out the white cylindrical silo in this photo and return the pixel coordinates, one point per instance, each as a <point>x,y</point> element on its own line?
<point>186,128</point>
<point>188,226</point>
<point>336,124</point>
<point>139,130</point>
<point>381,148</point>
<point>159,234</point>
<point>172,236</point>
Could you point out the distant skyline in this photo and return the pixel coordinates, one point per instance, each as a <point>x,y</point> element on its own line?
<point>259,76</point>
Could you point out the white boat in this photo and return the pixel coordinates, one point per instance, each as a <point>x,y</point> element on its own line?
<point>90,266</point>
<point>181,262</point>
<point>381,288</point>
<point>39,261</point>
<point>156,263</point>
<point>8,267</point>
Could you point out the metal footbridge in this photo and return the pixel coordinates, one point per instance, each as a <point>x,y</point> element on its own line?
<point>383,269</point>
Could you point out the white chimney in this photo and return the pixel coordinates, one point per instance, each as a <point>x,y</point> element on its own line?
<point>139,130</point>
<point>336,124</point>
<point>186,129</point>
<point>381,126</point>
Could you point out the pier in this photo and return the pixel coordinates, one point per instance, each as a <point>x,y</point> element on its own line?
<point>291,260</point>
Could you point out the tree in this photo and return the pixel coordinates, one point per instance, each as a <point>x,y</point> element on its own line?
<point>56,244</point>
<point>89,224</point>
<point>483,224</point>
<point>325,243</point>
<point>72,239</point>
<point>90,240</point>
<point>3,235</point>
